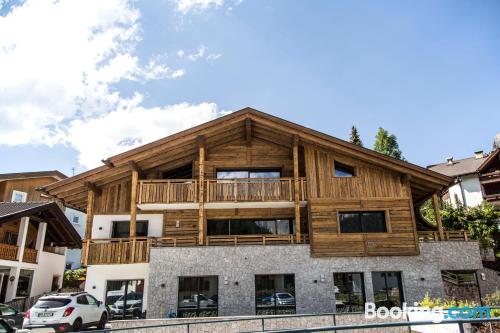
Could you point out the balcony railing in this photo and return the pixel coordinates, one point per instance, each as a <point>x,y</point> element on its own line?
<point>118,250</point>
<point>8,252</point>
<point>30,255</point>
<point>220,190</point>
<point>449,235</point>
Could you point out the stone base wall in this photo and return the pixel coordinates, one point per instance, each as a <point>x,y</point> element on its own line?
<point>314,288</point>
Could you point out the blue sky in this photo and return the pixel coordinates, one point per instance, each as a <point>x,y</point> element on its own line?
<point>427,71</point>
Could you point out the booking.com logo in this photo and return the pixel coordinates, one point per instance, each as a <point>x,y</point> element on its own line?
<point>436,314</point>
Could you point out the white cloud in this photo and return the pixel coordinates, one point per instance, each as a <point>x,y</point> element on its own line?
<point>201,53</point>
<point>186,6</point>
<point>59,61</point>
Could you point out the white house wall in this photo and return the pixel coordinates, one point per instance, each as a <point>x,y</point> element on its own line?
<point>98,275</point>
<point>49,265</point>
<point>101,227</point>
<point>471,190</point>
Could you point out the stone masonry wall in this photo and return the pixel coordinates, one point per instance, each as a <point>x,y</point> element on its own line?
<point>240,264</point>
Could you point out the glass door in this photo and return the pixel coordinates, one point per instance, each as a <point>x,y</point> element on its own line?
<point>124,299</point>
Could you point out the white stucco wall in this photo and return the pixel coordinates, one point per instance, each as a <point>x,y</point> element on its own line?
<point>471,190</point>
<point>73,256</point>
<point>98,275</point>
<point>49,264</point>
<point>101,227</point>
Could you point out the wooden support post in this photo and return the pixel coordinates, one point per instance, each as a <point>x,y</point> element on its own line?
<point>437,214</point>
<point>90,213</point>
<point>201,195</point>
<point>133,208</point>
<point>296,187</point>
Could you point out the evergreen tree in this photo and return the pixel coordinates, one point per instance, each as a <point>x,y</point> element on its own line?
<point>355,137</point>
<point>387,144</point>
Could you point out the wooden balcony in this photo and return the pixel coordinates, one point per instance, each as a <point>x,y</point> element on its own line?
<point>449,235</point>
<point>183,193</point>
<point>8,252</point>
<point>30,255</point>
<point>119,250</point>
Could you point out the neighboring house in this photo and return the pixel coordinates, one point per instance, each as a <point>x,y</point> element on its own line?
<point>22,187</point>
<point>475,178</point>
<point>33,241</point>
<point>251,214</point>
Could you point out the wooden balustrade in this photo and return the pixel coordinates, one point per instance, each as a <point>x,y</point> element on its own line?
<point>54,249</point>
<point>118,250</point>
<point>30,255</point>
<point>8,252</point>
<point>219,190</point>
<point>168,191</point>
<point>448,235</point>
<point>253,189</point>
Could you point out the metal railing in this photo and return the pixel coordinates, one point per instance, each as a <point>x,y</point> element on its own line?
<point>261,321</point>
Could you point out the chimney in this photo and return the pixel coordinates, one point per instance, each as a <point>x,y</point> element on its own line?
<point>479,154</point>
<point>449,160</point>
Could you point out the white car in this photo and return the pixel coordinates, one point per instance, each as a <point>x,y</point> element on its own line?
<point>66,312</point>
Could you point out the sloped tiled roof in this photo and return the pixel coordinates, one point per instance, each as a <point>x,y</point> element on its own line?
<point>459,167</point>
<point>8,209</point>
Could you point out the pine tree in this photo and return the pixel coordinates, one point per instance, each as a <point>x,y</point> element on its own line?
<point>387,144</point>
<point>355,137</point>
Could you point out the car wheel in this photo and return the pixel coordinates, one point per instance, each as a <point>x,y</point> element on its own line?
<point>77,325</point>
<point>102,322</point>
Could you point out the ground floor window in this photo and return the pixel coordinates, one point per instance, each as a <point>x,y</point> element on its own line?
<point>198,296</point>
<point>124,298</point>
<point>461,286</point>
<point>275,294</point>
<point>349,292</point>
<point>24,283</point>
<point>284,226</point>
<point>388,289</point>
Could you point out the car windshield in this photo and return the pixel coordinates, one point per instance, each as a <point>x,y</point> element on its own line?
<point>284,295</point>
<point>49,303</point>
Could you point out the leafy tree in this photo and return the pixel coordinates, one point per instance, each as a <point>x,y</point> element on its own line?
<point>387,144</point>
<point>355,137</point>
<point>73,278</point>
<point>480,221</point>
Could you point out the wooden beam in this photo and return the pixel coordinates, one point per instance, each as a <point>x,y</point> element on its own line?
<point>437,214</point>
<point>248,131</point>
<point>108,163</point>
<point>90,213</point>
<point>91,186</point>
<point>296,187</point>
<point>133,211</point>
<point>133,166</point>
<point>201,199</point>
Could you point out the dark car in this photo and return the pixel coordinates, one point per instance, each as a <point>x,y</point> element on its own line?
<point>11,315</point>
<point>5,327</point>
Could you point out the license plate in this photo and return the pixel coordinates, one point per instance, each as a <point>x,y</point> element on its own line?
<point>46,314</point>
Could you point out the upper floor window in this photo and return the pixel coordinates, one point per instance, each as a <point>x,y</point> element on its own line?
<point>19,196</point>
<point>357,222</point>
<point>343,170</point>
<point>76,219</point>
<point>121,229</point>
<point>262,173</point>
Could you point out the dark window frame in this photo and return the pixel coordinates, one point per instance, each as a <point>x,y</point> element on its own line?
<point>199,290</point>
<point>249,171</point>
<point>291,223</point>
<point>360,212</point>
<point>400,286</point>
<point>113,223</point>
<point>275,307</point>
<point>347,169</point>
<point>363,288</point>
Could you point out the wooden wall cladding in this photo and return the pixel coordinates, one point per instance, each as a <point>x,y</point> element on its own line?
<point>114,198</point>
<point>188,223</point>
<point>372,188</point>
<point>27,185</point>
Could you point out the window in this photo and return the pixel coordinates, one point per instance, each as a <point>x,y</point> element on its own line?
<point>121,229</point>
<point>10,238</point>
<point>251,227</point>
<point>343,170</point>
<point>461,286</point>
<point>24,283</point>
<point>352,222</point>
<point>124,298</point>
<point>387,289</point>
<point>82,300</point>
<point>275,294</point>
<point>18,196</point>
<point>7,310</point>
<point>349,292</point>
<point>91,300</point>
<point>51,303</point>
<point>263,173</point>
<point>198,296</point>
<point>76,219</point>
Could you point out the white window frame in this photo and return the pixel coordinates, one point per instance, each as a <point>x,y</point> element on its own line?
<point>23,194</point>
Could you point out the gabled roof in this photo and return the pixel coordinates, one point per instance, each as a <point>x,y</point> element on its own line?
<point>491,158</point>
<point>59,228</point>
<point>35,174</point>
<point>183,145</point>
<point>461,167</point>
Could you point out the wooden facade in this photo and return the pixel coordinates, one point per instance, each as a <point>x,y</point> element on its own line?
<point>177,177</point>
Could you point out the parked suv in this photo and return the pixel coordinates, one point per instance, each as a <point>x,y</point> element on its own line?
<point>66,312</point>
